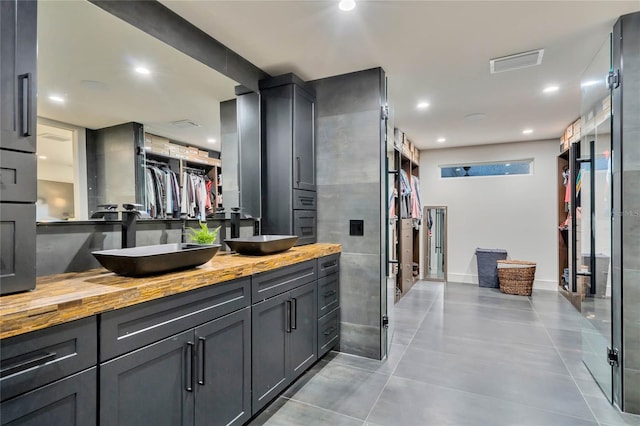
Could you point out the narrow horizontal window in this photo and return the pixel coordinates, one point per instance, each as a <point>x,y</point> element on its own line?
<point>505,168</point>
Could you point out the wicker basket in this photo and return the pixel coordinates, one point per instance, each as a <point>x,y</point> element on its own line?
<point>516,276</point>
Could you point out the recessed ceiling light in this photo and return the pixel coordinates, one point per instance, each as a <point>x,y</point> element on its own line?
<point>527,131</point>
<point>347,5</point>
<point>423,105</point>
<point>42,157</point>
<point>441,140</point>
<point>211,140</point>
<point>143,70</point>
<point>56,98</point>
<point>551,89</point>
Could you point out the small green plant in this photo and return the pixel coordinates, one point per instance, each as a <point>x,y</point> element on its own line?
<point>203,235</point>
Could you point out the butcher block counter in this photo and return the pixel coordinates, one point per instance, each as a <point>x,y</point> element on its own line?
<point>63,298</point>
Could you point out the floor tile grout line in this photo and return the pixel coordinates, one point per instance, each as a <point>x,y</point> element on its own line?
<point>584,398</point>
<point>323,409</point>
<point>503,308</point>
<point>499,399</point>
<point>402,356</point>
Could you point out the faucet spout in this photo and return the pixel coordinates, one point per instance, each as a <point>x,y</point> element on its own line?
<point>129,218</point>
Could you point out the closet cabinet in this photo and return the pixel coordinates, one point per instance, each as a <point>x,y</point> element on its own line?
<point>288,161</point>
<point>284,329</point>
<point>18,85</point>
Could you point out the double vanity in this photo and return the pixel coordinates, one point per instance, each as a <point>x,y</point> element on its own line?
<point>210,345</point>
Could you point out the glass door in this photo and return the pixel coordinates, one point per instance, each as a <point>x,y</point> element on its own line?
<point>593,205</point>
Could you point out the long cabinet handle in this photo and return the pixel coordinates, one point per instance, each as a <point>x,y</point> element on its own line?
<point>202,355</point>
<point>25,363</point>
<point>25,104</point>
<point>294,313</point>
<point>188,367</point>
<point>287,316</point>
<point>297,170</point>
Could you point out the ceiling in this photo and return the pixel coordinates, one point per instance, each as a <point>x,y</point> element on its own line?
<point>87,57</point>
<point>432,51</point>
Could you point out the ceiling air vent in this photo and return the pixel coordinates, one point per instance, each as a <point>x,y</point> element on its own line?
<point>517,61</point>
<point>184,124</point>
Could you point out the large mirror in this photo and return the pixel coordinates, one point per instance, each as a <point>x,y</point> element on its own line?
<point>98,72</point>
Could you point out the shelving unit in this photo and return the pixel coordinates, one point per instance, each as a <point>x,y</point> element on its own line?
<point>406,238</point>
<point>181,158</point>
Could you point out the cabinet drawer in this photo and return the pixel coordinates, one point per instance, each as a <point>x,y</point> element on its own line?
<point>328,293</point>
<point>17,247</point>
<point>70,401</point>
<point>304,200</point>
<point>328,331</point>
<point>271,283</point>
<point>17,176</point>
<point>131,328</point>
<point>328,265</point>
<point>304,226</point>
<point>34,359</point>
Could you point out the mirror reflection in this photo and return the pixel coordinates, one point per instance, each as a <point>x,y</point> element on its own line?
<point>111,99</point>
<point>435,219</point>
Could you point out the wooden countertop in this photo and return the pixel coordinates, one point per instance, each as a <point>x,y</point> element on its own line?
<point>66,297</point>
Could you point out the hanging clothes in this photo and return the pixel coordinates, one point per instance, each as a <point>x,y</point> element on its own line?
<point>405,195</point>
<point>416,205</point>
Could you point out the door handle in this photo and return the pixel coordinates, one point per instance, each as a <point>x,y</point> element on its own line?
<point>294,313</point>
<point>202,356</point>
<point>287,316</point>
<point>188,367</point>
<point>25,104</point>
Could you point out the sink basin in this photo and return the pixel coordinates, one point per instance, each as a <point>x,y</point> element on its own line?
<point>261,245</point>
<point>149,260</point>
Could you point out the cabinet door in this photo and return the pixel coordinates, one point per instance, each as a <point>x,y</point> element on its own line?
<point>150,386</point>
<point>17,246</point>
<point>67,402</point>
<point>304,329</point>
<point>304,158</point>
<point>223,390</point>
<point>18,38</point>
<point>270,321</point>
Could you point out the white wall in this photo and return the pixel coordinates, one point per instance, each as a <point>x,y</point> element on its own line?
<point>516,213</point>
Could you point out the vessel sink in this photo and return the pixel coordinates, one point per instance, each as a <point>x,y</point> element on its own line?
<point>260,245</point>
<point>149,260</point>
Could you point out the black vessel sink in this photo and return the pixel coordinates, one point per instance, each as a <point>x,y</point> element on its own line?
<point>261,245</point>
<point>149,260</point>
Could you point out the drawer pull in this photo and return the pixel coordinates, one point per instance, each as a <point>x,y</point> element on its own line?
<point>24,364</point>
<point>330,331</point>
<point>330,293</point>
<point>330,264</point>
<point>294,314</point>
<point>287,316</point>
<point>306,201</point>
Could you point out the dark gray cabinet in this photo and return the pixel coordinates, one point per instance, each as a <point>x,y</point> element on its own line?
<point>49,376</point>
<point>284,341</point>
<point>199,376</point>
<point>18,70</point>
<point>284,328</point>
<point>67,402</point>
<point>288,157</point>
<point>328,303</point>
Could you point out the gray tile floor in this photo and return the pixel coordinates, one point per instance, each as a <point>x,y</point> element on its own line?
<point>461,355</point>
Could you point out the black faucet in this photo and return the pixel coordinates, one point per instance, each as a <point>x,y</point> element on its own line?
<point>235,222</point>
<point>130,215</point>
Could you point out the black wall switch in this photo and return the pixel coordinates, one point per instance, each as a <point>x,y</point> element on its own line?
<point>356,227</point>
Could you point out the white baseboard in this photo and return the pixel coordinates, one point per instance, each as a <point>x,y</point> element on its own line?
<point>473,279</point>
